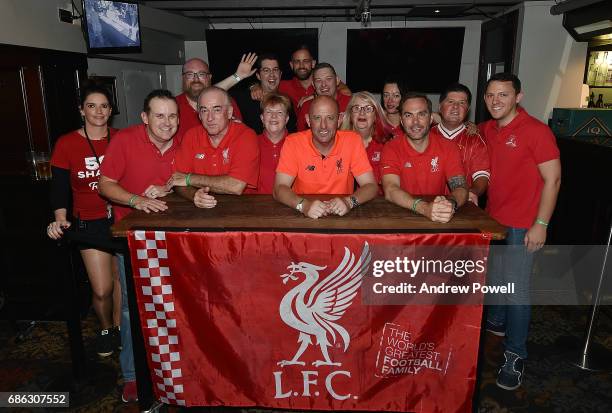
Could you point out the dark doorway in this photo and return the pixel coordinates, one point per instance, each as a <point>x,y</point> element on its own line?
<point>497,54</point>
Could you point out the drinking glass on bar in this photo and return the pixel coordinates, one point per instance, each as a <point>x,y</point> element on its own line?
<point>41,166</point>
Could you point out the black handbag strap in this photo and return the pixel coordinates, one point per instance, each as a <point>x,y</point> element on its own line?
<point>91,144</point>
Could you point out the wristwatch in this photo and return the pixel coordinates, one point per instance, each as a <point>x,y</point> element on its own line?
<point>354,202</point>
<point>236,77</point>
<point>300,206</point>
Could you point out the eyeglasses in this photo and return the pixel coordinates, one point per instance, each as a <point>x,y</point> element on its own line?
<point>215,110</point>
<point>366,109</point>
<point>267,70</point>
<point>193,75</point>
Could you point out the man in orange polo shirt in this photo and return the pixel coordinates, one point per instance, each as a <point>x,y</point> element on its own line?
<point>221,156</point>
<point>323,160</point>
<point>420,163</point>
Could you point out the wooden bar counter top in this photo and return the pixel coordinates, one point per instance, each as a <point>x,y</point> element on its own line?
<point>263,213</point>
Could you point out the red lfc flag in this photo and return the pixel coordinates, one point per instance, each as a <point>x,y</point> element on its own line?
<point>277,320</point>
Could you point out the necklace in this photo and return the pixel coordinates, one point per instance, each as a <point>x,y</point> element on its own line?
<point>91,144</point>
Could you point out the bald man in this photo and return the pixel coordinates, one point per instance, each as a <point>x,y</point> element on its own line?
<point>218,156</point>
<point>196,77</point>
<point>324,160</point>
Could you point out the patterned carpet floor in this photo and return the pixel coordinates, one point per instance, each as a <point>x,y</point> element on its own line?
<point>38,359</point>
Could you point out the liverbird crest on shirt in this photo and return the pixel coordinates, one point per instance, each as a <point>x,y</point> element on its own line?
<point>434,164</point>
<point>511,142</point>
<point>225,155</point>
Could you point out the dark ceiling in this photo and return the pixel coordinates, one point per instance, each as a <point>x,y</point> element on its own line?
<point>256,11</point>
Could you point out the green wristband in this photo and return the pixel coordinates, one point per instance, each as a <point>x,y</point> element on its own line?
<point>188,180</point>
<point>414,204</point>
<point>131,201</point>
<point>541,222</point>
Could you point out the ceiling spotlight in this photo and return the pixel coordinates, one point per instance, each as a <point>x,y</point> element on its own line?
<point>437,11</point>
<point>362,13</point>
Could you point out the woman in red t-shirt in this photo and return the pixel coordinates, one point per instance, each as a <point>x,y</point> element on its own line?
<point>75,169</point>
<point>390,100</point>
<point>365,116</point>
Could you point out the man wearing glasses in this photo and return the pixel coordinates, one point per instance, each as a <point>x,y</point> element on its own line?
<point>269,76</point>
<point>420,163</point>
<point>299,88</point>
<point>219,156</point>
<point>196,77</point>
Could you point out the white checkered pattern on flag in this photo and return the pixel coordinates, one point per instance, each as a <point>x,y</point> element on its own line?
<point>153,283</point>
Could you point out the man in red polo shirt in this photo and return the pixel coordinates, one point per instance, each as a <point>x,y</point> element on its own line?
<point>325,82</point>
<point>455,103</point>
<point>197,77</point>
<point>421,163</point>
<point>300,85</point>
<point>138,162</point>
<point>219,156</point>
<point>274,116</point>
<point>525,181</point>
<point>324,160</point>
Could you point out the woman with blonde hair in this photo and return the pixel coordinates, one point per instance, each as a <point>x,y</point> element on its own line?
<point>365,116</point>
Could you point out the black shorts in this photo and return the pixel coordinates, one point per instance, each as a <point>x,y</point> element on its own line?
<point>93,233</point>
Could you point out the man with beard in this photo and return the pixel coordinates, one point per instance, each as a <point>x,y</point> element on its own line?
<point>455,103</point>
<point>197,77</point>
<point>268,74</point>
<point>420,163</point>
<point>300,86</point>
<point>325,82</point>
<point>323,160</point>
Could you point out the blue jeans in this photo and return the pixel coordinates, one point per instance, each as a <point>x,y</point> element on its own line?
<point>126,358</point>
<point>512,263</point>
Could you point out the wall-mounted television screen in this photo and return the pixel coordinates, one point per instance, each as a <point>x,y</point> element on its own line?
<point>425,59</point>
<point>111,26</point>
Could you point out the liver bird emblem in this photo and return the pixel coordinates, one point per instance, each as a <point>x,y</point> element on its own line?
<point>313,307</point>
